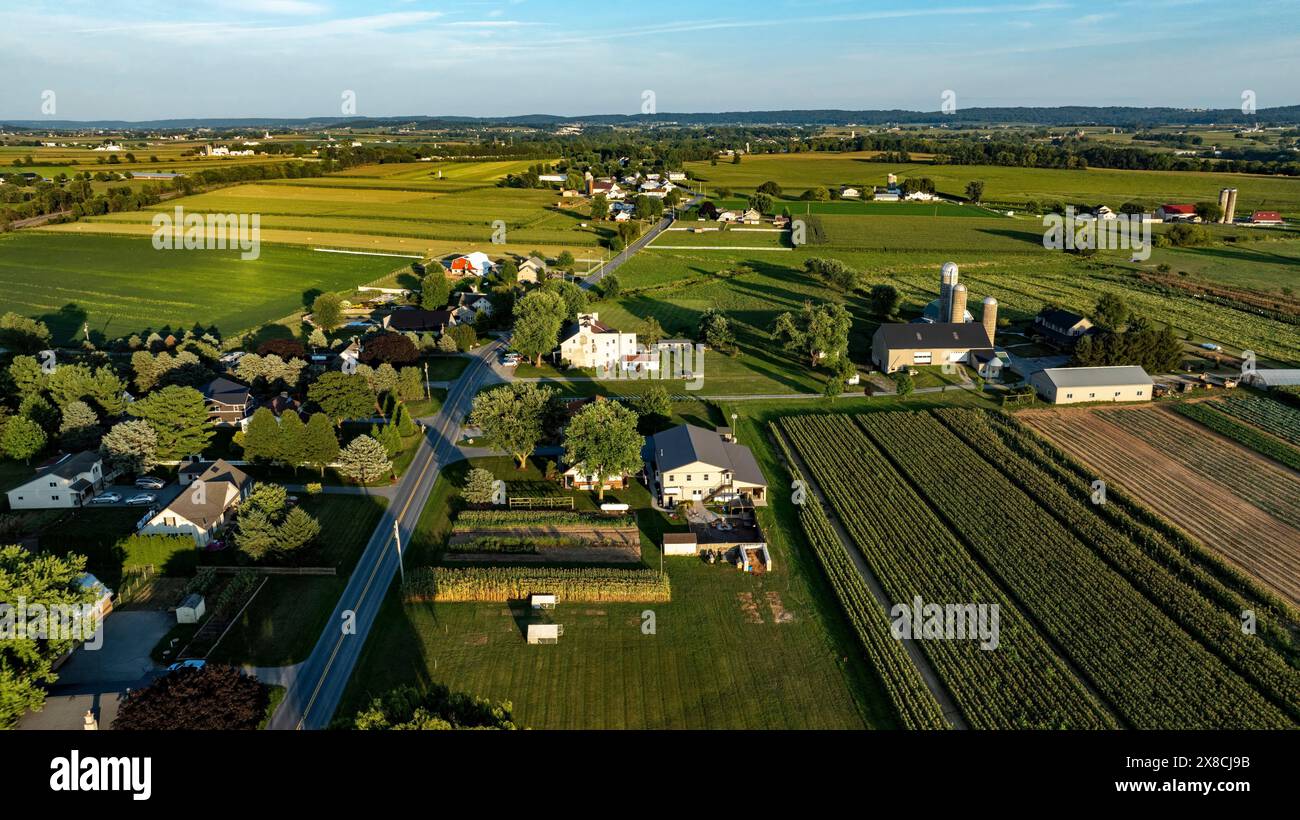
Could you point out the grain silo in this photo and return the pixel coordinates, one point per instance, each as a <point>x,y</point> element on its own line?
<point>958,312</point>
<point>947,281</point>
<point>989,317</point>
<point>1230,213</point>
<point>1223,204</point>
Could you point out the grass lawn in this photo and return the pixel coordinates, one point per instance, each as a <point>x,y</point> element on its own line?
<point>287,617</point>
<point>446,368</point>
<point>718,658</point>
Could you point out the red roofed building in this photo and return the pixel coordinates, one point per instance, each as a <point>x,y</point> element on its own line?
<point>1266,218</point>
<point>1176,213</point>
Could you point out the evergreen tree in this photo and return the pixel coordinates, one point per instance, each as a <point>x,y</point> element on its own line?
<point>434,289</point>
<point>293,439</point>
<point>262,438</point>
<point>320,443</point>
<point>21,439</point>
<point>131,446</point>
<point>297,530</point>
<point>364,460</point>
<point>80,428</point>
<point>480,486</point>
<point>179,417</point>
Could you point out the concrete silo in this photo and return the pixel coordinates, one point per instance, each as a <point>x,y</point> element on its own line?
<point>947,281</point>
<point>989,317</point>
<point>958,311</point>
<point>1230,212</point>
<point>1223,204</point>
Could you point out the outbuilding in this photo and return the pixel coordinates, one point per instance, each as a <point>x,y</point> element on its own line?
<point>1077,385</point>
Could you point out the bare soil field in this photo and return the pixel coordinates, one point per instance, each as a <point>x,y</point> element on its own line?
<point>1170,470</point>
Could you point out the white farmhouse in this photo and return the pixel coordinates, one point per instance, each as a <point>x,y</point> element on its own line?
<point>590,344</point>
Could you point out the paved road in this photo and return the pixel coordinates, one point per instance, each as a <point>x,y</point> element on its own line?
<point>631,250</point>
<point>317,684</point>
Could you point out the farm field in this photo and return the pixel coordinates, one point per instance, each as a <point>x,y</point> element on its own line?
<point>120,285</point>
<point>1003,258</point>
<point>1232,500</point>
<point>1068,579</point>
<point>798,172</point>
<point>394,208</point>
<point>724,633</point>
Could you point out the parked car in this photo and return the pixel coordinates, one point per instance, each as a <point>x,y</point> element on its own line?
<point>141,498</point>
<point>106,498</point>
<point>149,482</point>
<point>1211,346</point>
<point>510,359</point>
<point>190,664</point>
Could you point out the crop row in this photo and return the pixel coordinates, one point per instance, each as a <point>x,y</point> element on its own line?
<point>1187,559</point>
<point>1274,491</point>
<point>915,706</point>
<point>1213,416</point>
<point>585,584</point>
<point>481,519</point>
<point>1022,683</point>
<point>1142,662</point>
<point>1219,629</point>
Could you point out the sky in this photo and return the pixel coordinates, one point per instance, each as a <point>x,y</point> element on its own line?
<point>155,59</point>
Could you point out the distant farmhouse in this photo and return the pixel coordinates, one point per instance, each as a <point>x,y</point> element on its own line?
<point>1062,327</point>
<point>1076,385</point>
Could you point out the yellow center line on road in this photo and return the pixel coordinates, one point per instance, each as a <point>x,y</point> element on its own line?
<point>433,452</point>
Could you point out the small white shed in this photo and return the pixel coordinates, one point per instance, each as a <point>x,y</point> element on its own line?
<point>542,632</point>
<point>190,610</point>
<point>680,543</point>
<point>543,600</point>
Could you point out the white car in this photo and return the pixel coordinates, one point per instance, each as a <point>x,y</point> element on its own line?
<point>141,498</point>
<point>106,498</point>
<point>510,359</point>
<point>148,482</point>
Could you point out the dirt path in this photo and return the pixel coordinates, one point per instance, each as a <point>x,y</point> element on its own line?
<point>932,680</point>
<point>1215,513</point>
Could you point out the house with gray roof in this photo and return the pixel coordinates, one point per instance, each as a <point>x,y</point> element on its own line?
<point>206,504</point>
<point>688,463</point>
<point>66,481</point>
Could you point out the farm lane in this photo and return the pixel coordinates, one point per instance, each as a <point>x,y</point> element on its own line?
<point>316,687</point>
<point>631,250</point>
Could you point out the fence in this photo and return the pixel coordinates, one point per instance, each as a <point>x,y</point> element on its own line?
<point>277,570</point>
<point>545,502</point>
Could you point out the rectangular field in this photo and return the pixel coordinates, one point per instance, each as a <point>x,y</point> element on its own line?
<point>1239,504</point>
<point>121,285</point>
<point>994,520</point>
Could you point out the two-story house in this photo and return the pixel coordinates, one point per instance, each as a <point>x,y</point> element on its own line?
<point>590,344</point>
<point>687,463</point>
<point>66,481</point>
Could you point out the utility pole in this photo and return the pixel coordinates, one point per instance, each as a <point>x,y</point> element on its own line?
<point>428,393</point>
<point>397,539</point>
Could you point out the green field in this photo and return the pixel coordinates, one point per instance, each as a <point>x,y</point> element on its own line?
<point>119,285</point>
<point>400,208</point>
<point>798,172</point>
<point>719,658</point>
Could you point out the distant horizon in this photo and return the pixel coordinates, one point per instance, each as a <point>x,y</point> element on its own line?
<point>937,114</point>
<point>144,60</point>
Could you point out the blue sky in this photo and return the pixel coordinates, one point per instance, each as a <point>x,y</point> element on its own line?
<point>147,59</point>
